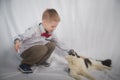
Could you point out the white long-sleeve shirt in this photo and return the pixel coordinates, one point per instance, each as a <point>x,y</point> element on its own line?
<point>32,36</point>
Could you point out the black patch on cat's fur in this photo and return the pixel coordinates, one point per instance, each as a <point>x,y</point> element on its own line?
<point>107,62</point>
<point>87,62</point>
<point>68,70</point>
<point>72,54</point>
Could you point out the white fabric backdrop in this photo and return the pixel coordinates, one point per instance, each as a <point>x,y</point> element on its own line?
<point>91,27</point>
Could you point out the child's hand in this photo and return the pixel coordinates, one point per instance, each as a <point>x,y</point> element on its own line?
<point>17,45</point>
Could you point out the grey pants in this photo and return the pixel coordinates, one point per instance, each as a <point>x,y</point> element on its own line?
<point>37,54</point>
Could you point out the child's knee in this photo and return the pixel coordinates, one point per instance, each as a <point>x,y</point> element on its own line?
<point>51,45</point>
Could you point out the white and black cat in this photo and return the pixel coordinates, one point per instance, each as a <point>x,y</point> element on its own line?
<point>80,66</point>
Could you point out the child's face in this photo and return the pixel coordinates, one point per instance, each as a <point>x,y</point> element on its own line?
<point>50,25</point>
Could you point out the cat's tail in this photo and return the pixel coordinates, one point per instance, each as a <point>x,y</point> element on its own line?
<point>107,62</point>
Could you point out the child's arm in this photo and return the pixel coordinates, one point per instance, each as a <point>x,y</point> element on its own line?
<point>59,44</point>
<point>63,46</point>
<point>21,37</point>
<point>27,34</point>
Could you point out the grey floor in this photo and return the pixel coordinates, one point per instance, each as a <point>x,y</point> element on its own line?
<point>9,61</point>
<point>57,71</point>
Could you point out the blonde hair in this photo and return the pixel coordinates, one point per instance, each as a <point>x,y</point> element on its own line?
<point>51,14</point>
